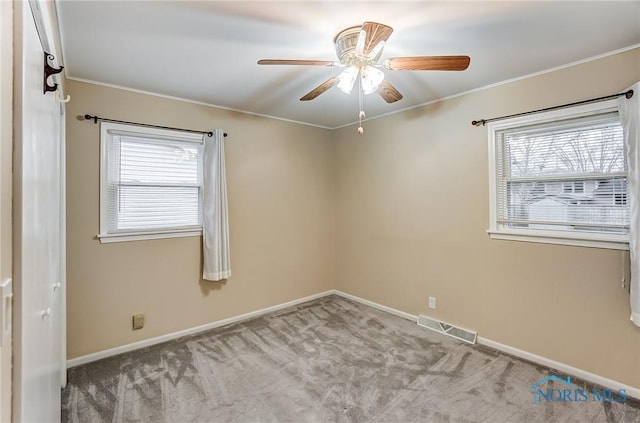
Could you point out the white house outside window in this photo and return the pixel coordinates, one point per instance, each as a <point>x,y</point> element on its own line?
<point>150,183</point>
<point>560,177</point>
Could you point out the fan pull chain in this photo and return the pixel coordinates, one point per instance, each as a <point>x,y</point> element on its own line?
<point>361,115</point>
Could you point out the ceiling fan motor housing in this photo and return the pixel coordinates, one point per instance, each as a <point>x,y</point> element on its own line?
<point>345,42</point>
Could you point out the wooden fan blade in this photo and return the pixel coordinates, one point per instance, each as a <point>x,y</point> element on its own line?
<point>320,89</point>
<point>442,63</point>
<point>388,92</point>
<point>297,62</point>
<point>374,33</point>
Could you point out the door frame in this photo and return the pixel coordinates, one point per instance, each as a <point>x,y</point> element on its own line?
<point>6,221</point>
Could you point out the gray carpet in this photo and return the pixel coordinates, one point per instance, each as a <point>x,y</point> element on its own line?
<point>328,360</point>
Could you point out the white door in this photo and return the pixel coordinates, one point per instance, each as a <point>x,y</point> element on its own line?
<point>37,231</point>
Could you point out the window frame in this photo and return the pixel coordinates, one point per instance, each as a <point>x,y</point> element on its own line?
<point>577,238</point>
<point>137,235</point>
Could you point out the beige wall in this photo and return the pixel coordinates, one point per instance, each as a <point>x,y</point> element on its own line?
<point>412,214</point>
<point>281,202</point>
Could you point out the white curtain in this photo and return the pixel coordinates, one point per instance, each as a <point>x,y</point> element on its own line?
<point>630,116</point>
<point>215,213</point>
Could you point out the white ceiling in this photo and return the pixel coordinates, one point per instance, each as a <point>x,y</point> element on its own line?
<point>207,51</point>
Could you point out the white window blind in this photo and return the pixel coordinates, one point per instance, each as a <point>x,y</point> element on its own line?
<point>152,181</point>
<point>566,176</point>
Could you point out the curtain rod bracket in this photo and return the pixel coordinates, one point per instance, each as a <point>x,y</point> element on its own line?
<point>49,71</point>
<point>95,119</point>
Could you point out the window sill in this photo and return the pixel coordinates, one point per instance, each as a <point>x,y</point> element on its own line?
<point>142,236</point>
<point>614,242</point>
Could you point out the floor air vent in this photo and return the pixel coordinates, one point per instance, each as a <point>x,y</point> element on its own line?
<point>447,329</point>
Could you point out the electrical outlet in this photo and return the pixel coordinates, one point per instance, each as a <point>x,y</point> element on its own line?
<point>432,302</point>
<point>138,321</point>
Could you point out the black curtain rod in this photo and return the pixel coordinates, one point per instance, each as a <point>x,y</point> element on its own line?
<point>482,122</point>
<point>95,119</point>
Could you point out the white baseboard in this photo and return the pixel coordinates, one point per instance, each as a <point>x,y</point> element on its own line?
<point>84,359</point>
<point>390,310</point>
<point>565,368</point>
<point>562,367</point>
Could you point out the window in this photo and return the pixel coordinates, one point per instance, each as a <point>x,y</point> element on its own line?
<point>560,177</point>
<point>150,183</point>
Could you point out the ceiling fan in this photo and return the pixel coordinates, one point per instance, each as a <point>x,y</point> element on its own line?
<point>359,49</point>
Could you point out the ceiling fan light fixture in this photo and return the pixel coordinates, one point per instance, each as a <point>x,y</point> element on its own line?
<point>347,79</point>
<point>371,79</point>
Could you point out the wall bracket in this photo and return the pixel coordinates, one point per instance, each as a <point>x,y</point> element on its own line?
<point>49,71</point>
